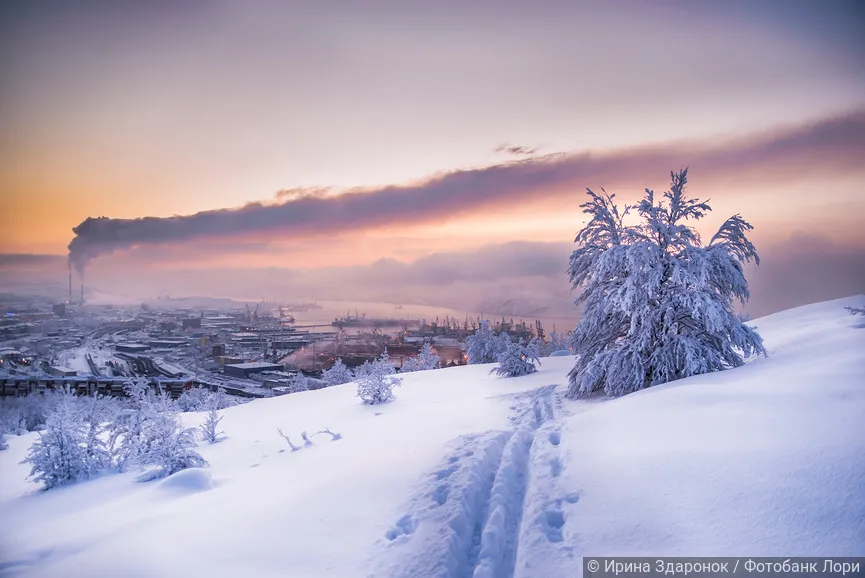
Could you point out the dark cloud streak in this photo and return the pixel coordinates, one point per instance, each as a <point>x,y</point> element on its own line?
<point>825,147</point>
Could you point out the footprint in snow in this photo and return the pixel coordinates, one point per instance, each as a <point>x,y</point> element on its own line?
<point>440,495</point>
<point>445,473</point>
<point>555,467</point>
<point>553,522</point>
<point>405,526</point>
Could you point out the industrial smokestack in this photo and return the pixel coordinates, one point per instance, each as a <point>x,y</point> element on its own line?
<point>82,292</point>
<point>70,286</point>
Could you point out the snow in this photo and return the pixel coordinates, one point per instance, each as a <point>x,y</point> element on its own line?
<point>468,474</point>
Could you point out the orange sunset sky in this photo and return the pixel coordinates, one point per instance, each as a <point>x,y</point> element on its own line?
<point>315,145</point>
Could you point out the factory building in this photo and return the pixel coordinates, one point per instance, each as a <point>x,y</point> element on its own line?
<point>244,370</point>
<point>131,347</point>
<point>192,323</point>
<point>168,343</point>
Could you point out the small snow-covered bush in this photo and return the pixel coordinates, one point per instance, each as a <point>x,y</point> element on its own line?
<point>19,415</point>
<point>97,413</point>
<point>484,346</point>
<point>377,388</point>
<point>557,342</point>
<point>856,310</point>
<point>193,399</point>
<point>411,364</point>
<point>297,383</point>
<point>60,455</point>
<point>518,359</point>
<point>210,428</point>
<point>338,374</point>
<point>170,446</point>
<point>429,359</point>
<point>383,365</point>
<point>425,361</point>
<point>151,434</point>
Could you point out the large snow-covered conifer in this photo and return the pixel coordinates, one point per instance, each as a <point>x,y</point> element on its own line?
<point>658,302</point>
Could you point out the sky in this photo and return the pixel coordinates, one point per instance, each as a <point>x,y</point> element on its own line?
<point>322,147</point>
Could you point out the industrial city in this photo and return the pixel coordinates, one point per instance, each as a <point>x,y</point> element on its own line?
<point>252,350</point>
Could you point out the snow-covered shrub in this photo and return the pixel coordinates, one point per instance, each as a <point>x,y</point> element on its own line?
<point>377,386</point>
<point>364,370</point>
<point>338,374</point>
<point>19,415</point>
<point>518,359</point>
<point>151,434</point>
<point>429,359</point>
<point>658,302</point>
<point>411,364</point>
<point>426,360</point>
<point>127,431</point>
<point>3,444</point>
<point>557,342</point>
<point>210,428</point>
<point>60,454</point>
<point>382,365</point>
<point>98,413</point>
<point>478,345</point>
<point>297,383</point>
<point>193,399</point>
<point>379,366</point>
<point>856,310</point>
<point>168,445</point>
<point>484,346</point>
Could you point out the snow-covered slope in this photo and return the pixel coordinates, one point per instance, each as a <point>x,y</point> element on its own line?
<point>469,474</point>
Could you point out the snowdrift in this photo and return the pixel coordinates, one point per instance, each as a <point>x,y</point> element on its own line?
<point>467,474</point>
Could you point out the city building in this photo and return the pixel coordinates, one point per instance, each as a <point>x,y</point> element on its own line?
<point>244,370</point>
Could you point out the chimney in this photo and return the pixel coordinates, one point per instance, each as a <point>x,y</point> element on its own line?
<point>82,293</point>
<point>70,286</point>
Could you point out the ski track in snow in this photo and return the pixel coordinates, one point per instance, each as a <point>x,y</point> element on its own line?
<point>492,508</point>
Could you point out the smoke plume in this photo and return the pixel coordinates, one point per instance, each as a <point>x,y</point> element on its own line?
<point>824,147</point>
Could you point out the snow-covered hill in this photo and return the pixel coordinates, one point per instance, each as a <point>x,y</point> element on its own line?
<point>469,474</point>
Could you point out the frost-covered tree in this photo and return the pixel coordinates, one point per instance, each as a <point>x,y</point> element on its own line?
<point>127,438</point>
<point>297,383</point>
<point>518,359</point>
<point>19,415</point>
<point>168,445</point>
<point>209,430</point>
<point>658,302</point>
<point>377,386</point>
<point>384,365</point>
<point>60,454</point>
<point>411,365</point>
<point>193,399</point>
<point>338,374</point>
<point>98,413</point>
<point>429,359</point>
<point>367,368</point>
<point>478,344</point>
<point>484,346</point>
<point>424,361</point>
